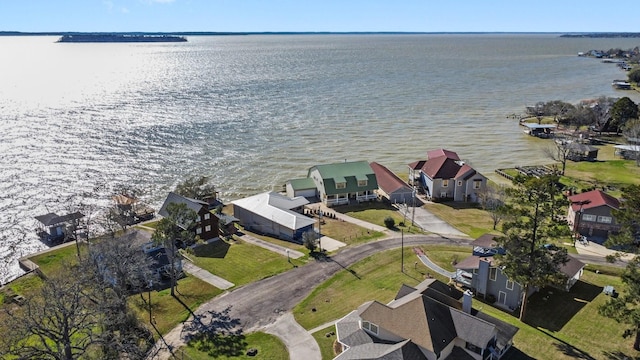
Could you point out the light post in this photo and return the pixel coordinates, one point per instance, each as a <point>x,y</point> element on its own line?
<point>288,258</point>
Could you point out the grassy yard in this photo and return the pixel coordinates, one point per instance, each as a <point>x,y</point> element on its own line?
<point>347,232</point>
<point>375,278</point>
<point>376,212</point>
<point>326,342</point>
<point>268,346</point>
<point>559,325</point>
<point>169,311</point>
<point>563,325</point>
<point>611,174</point>
<point>463,216</point>
<point>240,262</point>
<point>446,256</point>
<point>53,262</point>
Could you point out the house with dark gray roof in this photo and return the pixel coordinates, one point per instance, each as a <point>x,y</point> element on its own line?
<point>482,273</point>
<point>443,176</point>
<point>425,322</point>
<point>207,223</point>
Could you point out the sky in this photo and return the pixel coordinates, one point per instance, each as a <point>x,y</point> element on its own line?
<point>318,15</point>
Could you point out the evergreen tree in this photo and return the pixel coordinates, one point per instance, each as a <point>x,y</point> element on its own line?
<point>534,205</point>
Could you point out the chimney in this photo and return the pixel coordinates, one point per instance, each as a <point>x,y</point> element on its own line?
<point>466,301</point>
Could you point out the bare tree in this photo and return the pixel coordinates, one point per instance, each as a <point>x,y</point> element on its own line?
<point>632,134</point>
<point>177,227</point>
<point>560,151</point>
<point>492,199</point>
<point>57,323</point>
<point>197,187</point>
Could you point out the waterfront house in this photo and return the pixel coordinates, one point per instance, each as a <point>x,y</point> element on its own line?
<point>482,273</point>
<point>426,322</point>
<point>443,176</point>
<point>581,152</point>
<point>207,224</point>
<point>274,214</point>
<point>391,187</point>
<point>590,215</point>
<point>340,183</point>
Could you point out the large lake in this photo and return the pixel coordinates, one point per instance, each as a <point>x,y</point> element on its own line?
<point>254,111</point>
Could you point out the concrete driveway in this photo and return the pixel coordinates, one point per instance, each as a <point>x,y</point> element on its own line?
<point>429,222</point>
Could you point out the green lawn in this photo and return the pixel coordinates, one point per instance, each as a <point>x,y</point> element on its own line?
<point>446,256</point>
<point>169,311</point>
<point>347,232</point>
<point>53,261</point>
<point>240,262</point>
<point>562,326</point>
<point>268,346</point>
<point>376,212</point>
<point>325,342</point>
<point>463,216</point>
<point>567,325</point>
<point>375,278</point>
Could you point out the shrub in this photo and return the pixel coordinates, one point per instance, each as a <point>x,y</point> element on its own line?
<point>389,222</point>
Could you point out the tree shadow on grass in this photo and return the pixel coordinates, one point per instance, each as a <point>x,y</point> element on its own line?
<point>353,272</point>
<point>567,348</point>
<point>516,354</point>
<point>619,355</point>
<point>216,249</point>
<point>552,308</point>
<point>216,333</point>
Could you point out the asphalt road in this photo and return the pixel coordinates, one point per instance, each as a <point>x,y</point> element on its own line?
<point>260,303</point>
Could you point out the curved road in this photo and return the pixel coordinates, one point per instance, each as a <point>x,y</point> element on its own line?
<point>259,304</point>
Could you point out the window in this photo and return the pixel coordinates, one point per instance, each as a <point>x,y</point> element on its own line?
<point>199,231</point>
<point>509,284</point>
<point>207,228</point>
<point>362,182</point>
<point>371,327</point>
<point>604,219</point>
<point>459,183</point>
<point>493,274</point>
<point>207,216</point>
<point>445,182</point>
<point>475,271</point>
<point>341,185</point>
<point>588,217</point>
<point>477,184</point>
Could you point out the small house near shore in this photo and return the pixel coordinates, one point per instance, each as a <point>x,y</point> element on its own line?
<point>539,130</point>
<point>391,187</point>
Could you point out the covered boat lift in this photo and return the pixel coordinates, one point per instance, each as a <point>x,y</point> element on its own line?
<point>54,228</point>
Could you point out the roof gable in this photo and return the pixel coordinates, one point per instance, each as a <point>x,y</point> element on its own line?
<point>592,199</point>
<point>192,204</point>
<point>388,181</point>
<point>277,208</point>
<point>348,173</point>
<point>442,152</point>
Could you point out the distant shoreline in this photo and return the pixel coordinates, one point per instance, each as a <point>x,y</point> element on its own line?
<point>224,33</point>
<point>243,33</point>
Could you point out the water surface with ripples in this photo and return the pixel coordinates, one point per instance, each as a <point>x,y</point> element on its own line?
<point>254,111</point>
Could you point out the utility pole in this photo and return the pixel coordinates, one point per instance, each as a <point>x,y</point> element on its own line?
<point>413,196</point>
<point>402,249</point>
<point>320,229</point>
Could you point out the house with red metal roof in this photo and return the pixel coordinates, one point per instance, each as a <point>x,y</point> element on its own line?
<point>443,176</point>
<point>390,186</point>
<point>590,214</point>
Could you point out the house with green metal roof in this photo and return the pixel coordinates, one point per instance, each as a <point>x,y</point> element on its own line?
<point>341,183</point>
